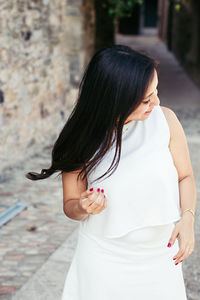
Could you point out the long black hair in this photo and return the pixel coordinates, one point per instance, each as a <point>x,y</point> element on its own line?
<point>112,87</point>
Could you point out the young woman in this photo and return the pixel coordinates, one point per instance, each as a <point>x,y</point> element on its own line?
<point>130,218</point>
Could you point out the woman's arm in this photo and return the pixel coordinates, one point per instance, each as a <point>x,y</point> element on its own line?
<point>72,190</point>
<point>184,229</point>
<point>78,202</point>
<point>181,157</point>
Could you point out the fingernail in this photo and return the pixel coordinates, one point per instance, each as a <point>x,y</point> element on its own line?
<point>181,260</point>
<point>176,263</point>
<point>169,245</point>
<point>91,189</point>
<point>102,190</point>
<point>174,258</point>
<point>98,190</point>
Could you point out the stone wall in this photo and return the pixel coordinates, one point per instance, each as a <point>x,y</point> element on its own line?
<point>42,56</point>
<point>162,19</point>
<point>89,29</point>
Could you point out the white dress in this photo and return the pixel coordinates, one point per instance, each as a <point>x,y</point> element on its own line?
<point>122,252</point>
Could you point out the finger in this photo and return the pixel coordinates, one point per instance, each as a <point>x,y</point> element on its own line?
<point>85,202</point>
<point>92,208</point>
<point>105,202</point>
<point>173,237</point>
<point>180,253</point>
<point>180,257</point>
<point>104,196</point>
<point>188,252</point>
<point>100,194</point>
<point>86,199</point>
<point>99,197</point>
<point>86,193</point>
<point>183,256</point>
<point>100,203</point>
<point>93,196</point>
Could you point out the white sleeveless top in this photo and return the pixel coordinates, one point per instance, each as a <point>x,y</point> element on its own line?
<point>143,190</point>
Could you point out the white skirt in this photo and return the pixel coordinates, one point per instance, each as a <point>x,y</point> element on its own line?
<point>136,266</point>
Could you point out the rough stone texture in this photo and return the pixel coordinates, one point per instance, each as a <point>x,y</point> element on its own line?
<point>33,235</point>
<point>89,29</point>
<point>50,287</point>
<point>41,61</point>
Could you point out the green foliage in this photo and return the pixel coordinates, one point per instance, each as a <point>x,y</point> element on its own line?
<point>179,3</point>
<point>120,8</point>
<point>177,7</point>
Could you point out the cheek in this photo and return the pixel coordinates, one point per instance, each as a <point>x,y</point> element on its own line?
<point>140,110</point>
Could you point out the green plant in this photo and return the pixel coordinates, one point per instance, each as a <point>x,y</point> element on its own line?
<point>179,3</point>
<point>120,8</point>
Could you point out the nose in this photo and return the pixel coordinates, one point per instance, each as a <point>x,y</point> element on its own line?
<point>155,100</point>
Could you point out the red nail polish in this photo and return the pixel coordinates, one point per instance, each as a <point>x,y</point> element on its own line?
<point>176,263</point>
<point>102,190</point>
<point>91,189</point>
<point>169,245</point>
<point>98,190</point>
<point>174,258</point>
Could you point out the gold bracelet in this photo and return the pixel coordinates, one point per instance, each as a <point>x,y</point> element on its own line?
<point>190,210</point>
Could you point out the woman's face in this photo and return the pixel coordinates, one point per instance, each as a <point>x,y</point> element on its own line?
<point>150,100</point>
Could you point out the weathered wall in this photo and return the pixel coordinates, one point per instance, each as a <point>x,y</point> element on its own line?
<point>42,54</point>
<point>181,33</point>
<point>88,29</point>
<point>185,34</point>
<point>162,19</point>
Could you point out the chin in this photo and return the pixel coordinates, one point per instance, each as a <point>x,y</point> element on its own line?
<point>146,116</point>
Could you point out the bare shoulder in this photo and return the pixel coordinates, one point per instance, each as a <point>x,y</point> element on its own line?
<point>178,145</point>
<point>172,120</point>
<point>169,113</point>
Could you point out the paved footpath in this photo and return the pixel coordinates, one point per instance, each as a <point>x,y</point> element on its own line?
<point>23,251</point>
<point>34,263</point>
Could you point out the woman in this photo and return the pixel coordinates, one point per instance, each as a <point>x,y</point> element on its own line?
<point>130,220</point>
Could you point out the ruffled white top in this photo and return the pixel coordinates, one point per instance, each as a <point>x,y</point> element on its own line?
<point>143,190</point>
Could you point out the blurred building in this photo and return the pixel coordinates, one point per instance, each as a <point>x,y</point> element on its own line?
<point>143,19</point>
<point>177,23</point>
<point>179,28</point>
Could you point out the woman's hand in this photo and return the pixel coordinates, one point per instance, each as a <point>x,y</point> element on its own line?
<point>93,202</point>
<point>183,230</point>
